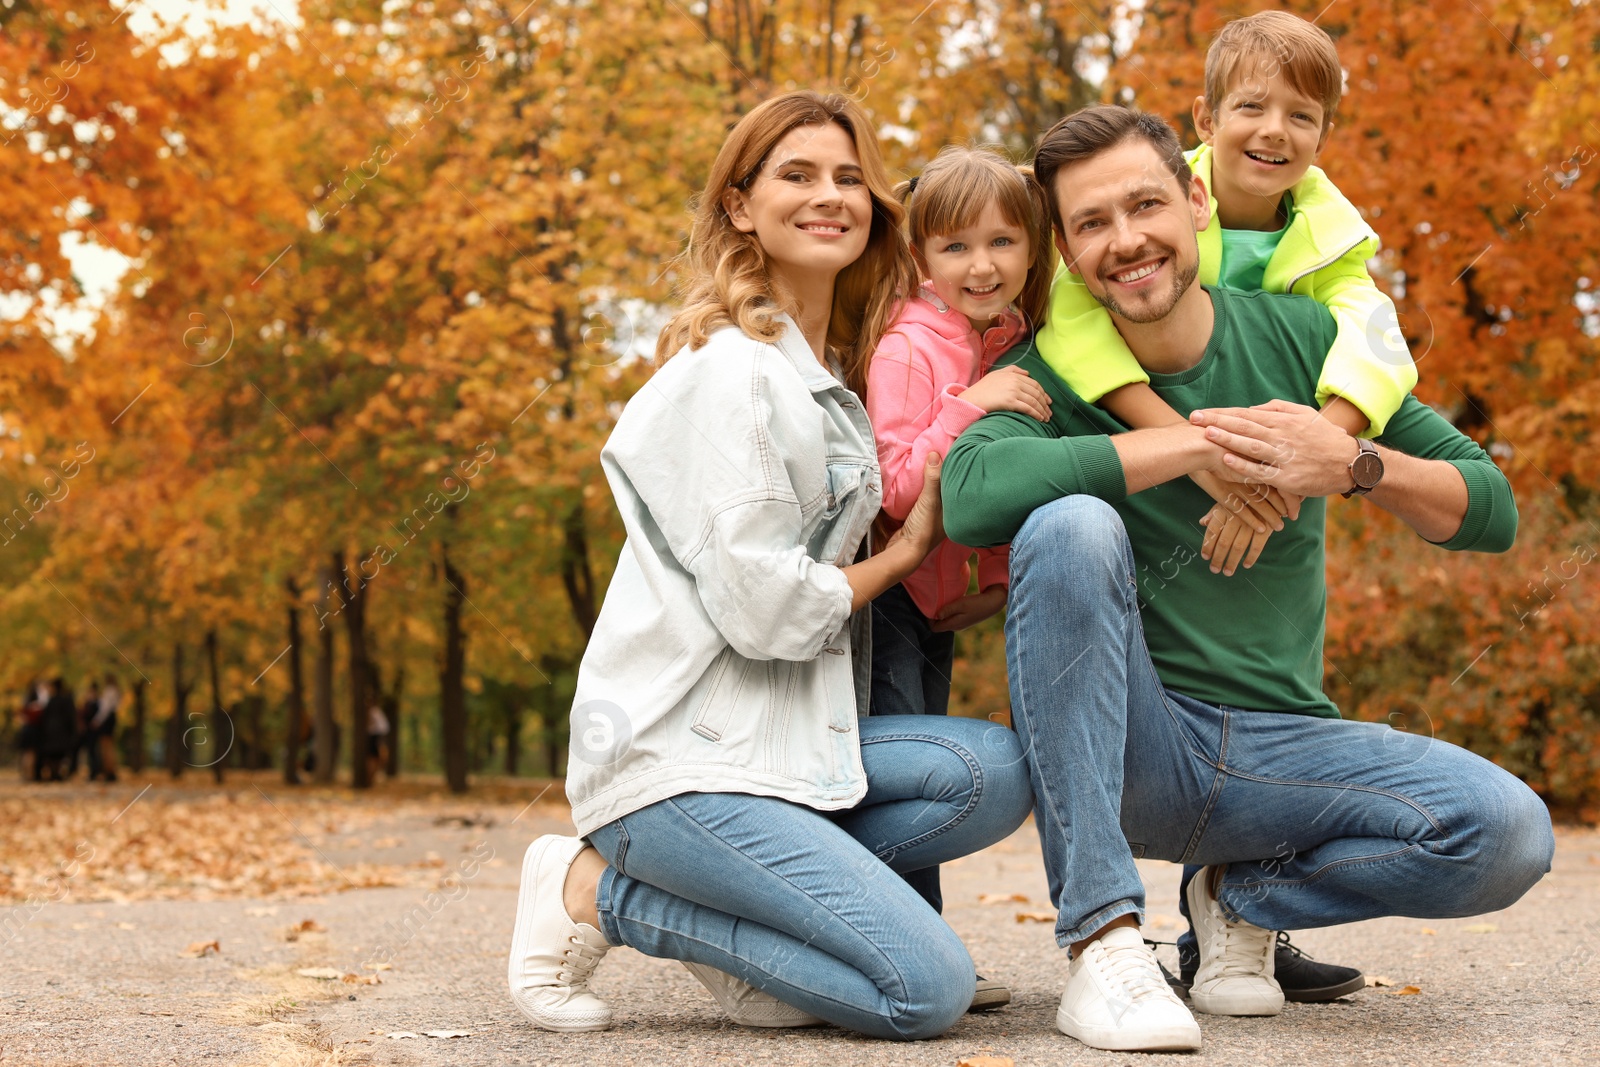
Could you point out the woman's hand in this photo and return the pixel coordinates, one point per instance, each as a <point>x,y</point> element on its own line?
<point>969,610</point>
<point>1010,389</point>
<point>905,550</point>
<point>923,529</point>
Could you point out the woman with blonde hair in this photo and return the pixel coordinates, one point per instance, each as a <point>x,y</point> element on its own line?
<point>745,816</point>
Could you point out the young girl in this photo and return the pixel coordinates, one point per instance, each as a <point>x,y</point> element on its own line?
<point>980,235</point>
<point>744,818</point>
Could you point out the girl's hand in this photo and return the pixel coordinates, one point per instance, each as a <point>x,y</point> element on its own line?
<point>969,610</point>
<point>1010,389</point>
<point>923,529</point>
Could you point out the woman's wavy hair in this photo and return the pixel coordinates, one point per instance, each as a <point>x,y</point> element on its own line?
<point>953,191</point>
<point>728,281</point>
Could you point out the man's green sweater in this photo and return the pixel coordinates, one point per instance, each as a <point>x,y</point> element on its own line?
<point>1252,641</point>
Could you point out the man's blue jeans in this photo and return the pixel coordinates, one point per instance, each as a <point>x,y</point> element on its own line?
<point>810,906</point>
<point>1319,821</point>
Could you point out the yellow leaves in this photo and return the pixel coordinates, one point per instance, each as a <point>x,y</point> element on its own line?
<point>1036,916</point>
<point>984,1060</point>
<point>1002,898</point>
<point>197,949</point>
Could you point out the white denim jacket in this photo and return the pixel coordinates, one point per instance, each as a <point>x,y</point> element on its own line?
<point>746,476</point>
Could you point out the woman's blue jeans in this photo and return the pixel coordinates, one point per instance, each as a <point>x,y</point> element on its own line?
<point>1318,821</point>
<point>809,906</point>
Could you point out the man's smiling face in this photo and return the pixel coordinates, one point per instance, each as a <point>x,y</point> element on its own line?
<point>1130,229</point>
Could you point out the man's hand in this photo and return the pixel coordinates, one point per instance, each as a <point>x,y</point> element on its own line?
<point>969,610</point>
<point>1288,446</point>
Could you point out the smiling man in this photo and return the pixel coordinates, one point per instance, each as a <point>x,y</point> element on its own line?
<point>1173,713</point>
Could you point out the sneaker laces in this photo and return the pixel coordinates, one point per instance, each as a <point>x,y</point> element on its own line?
<point>578,961</point>
<point>1290,946</point>
<point>1244,947</point>
<point>1135,969</point>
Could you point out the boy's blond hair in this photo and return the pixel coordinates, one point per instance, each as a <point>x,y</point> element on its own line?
<point>1276,43</point>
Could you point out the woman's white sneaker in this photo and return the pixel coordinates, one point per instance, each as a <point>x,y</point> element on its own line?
<point>1236,959</point>
<point>552,957</point>
<point>1116,999</point>
<point>747,1005</point>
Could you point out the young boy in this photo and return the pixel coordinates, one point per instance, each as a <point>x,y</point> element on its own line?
<point>1272,84</point>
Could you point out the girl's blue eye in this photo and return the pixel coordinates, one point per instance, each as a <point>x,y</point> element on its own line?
<point>1002,242</point>
<point>955,246</point>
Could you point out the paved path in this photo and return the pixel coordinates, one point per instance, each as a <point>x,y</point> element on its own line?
<point>104,984</point>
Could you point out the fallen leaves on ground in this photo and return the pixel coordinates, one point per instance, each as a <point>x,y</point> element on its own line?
<point>304,926</point>
<point>325,974</point>
<point>1378,980</point>
<point>986,1061</point>
<point>1036,916</point>
<point>197,949</point>
<point>1002,898</point>
<point>1408,991</point>
<point>1430,931</point>
<point>172,843</point>
<point>361,979</point>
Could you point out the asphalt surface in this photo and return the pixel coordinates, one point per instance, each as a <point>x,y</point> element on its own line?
<point>105,984</point>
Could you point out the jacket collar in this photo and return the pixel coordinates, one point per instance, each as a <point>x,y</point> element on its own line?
<point>1323,226</point>
<point>953,326</point>
<point>792,343</point>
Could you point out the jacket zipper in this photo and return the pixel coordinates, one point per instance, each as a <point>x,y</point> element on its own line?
<point>1325,263</point>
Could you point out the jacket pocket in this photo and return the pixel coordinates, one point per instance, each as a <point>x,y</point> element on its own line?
<point>725,682</point>
<point>848,508</point>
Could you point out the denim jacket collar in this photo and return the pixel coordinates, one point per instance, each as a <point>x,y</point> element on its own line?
<point>793,344</point>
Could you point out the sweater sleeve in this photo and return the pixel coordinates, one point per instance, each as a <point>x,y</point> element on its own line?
<point>912,415</point>
<point>1369,363</point>
<point>1490,524</point>
<point>1008,464</point>
<point>1081,343</point>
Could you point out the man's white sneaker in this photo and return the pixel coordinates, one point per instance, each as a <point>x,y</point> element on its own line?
<point>552,957</point>
<point>747,1005</point>
<point>1116,999</point>
<point>1236,959</point>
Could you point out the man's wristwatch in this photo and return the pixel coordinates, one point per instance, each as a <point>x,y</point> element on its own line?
<point>1366,470</point>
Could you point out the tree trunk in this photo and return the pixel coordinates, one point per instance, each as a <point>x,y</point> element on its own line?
<point>452,698</point>
<point>218,716</point>
<point>355,624</point>
<point>513,709</point>
<point>177,729</point>
<point>297,693</point>
<point>134,743</point>
<point>323,751</point>
<point>577,577</point>
<point>551,749</point>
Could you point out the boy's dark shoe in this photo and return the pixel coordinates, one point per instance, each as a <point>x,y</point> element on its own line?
<point>990,995</point>
<point>1302,978</point>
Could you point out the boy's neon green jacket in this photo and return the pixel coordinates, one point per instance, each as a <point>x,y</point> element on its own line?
<point>1322,255</point>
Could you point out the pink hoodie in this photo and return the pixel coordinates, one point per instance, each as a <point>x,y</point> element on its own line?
<point>925,361</point>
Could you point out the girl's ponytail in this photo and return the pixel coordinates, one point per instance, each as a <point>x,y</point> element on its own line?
<point>1034,300</point>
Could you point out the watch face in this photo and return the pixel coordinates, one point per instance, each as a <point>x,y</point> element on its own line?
<point>1367,469</point>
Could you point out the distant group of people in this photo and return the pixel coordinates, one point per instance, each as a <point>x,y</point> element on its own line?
<point>56,730</point>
